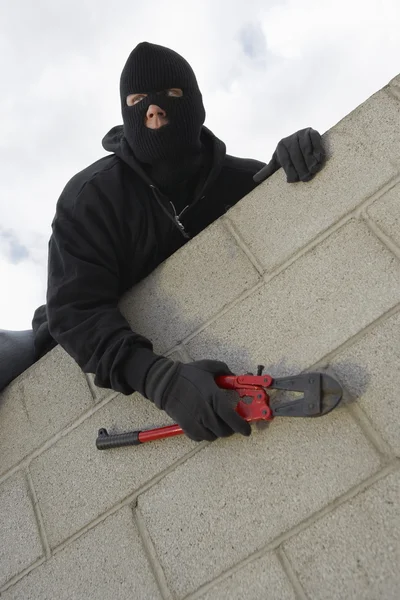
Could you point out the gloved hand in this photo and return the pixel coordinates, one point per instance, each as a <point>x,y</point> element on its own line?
<point>301,155</point>
<point>190,396</point>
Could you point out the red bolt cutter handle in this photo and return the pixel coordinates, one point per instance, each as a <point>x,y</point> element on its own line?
<point>254,407</point>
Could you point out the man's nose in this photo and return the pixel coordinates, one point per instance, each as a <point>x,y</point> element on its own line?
<point>154,110</point>
<point>155,116</point>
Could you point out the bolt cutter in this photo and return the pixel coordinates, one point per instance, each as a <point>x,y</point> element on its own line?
<point>321,394</point>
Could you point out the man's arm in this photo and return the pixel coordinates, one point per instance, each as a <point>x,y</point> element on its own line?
<point>82,298</point>
<point>82,301</point>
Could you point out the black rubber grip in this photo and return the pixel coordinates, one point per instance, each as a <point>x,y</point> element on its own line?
<point>105,441</point>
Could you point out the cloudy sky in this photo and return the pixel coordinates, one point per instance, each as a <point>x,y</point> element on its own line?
<point>266,68</point>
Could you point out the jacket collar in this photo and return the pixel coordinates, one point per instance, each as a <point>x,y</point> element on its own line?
<point>114,141</point>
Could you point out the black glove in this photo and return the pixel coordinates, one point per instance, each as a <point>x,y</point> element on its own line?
<point>301,155</point>
<point>190,396</point>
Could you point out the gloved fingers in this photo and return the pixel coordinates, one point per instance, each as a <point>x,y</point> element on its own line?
<point>225,403</point>
<point>198,433</point>
<point>285,160</point>
<point>186,415</point>
<point>298,144</point>
<point>312,148</point>
<point>267,170</point>
<point>213,422</point>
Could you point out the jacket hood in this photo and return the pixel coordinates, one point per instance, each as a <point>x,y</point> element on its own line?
<point>114,141</point>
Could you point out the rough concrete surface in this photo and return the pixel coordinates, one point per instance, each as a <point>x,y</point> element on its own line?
<point>386,213</point>
<point>295,276</point>
<point>20,544</point>
<point>46,398</point>
<point>85,481</point>
<point>378,119</point>
<point>246,492</point>
<point>262,578</point>
<point>354,552</point>
<point>107,562</point>
<point>394,87</point>
<point>309,309</point>
<point>370,370</point>
<point>165,313</point>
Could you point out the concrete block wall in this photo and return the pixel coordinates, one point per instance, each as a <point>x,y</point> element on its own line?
<point>296,277</point>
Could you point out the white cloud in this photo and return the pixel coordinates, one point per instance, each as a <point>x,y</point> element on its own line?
<point>266,68</point>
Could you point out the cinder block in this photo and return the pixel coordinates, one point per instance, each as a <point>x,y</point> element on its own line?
<point>386,213</point>
<point>394,85</point>
<point>354,552</point>
<point>395,80</point>
<point>262,578</point>
<point>380,120</point>
<point>277,219</point>
<point>107,562</point>
<point>17,437</point>
<point>370,371</point>
<point>238,494</point>
<point>192,286</point>
<point>308,310</point>
<point>20,544</point>
<point>75,482</point>
<point>48,397</point>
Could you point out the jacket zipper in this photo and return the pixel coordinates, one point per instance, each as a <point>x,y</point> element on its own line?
<point>179,222</point>
<point>175,217</point>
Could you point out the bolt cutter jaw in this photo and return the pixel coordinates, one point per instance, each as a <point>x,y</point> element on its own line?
<point>321,394</point>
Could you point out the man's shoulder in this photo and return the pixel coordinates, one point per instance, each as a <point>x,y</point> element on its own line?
<point>100,170</point>
<point>100,174</point>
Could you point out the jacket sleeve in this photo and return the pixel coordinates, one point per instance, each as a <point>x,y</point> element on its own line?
<point>82,301</point>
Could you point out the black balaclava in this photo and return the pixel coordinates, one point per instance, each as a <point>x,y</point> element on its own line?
<point>173,152</point>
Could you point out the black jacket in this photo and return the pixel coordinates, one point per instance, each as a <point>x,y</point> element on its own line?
<point>112,227</point>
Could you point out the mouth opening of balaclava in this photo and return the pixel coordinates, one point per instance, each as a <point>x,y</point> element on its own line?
<point>174,151</point>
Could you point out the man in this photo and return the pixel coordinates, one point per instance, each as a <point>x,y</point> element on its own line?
<point>168,178</point>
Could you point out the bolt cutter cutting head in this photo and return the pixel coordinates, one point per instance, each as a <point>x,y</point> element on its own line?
<point>321,394</point>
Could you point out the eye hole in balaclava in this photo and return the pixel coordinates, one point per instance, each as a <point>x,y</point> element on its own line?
<point>151,69</point>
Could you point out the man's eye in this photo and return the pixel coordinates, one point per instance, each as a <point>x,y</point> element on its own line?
<point>175,92</point>
<point>137,99</point>
<point>131,100</point>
